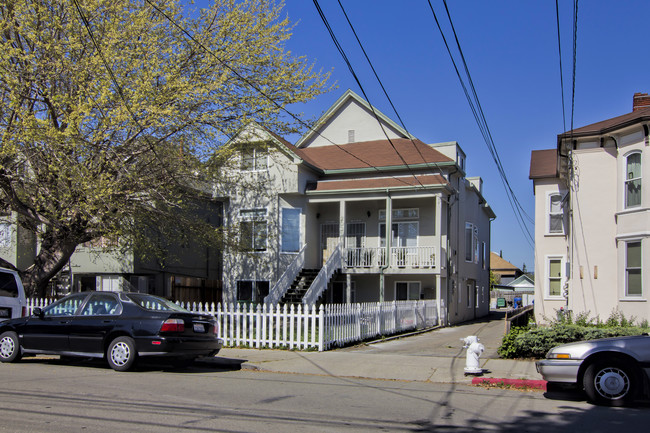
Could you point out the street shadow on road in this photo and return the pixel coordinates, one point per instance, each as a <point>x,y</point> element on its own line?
<point>201,365</point>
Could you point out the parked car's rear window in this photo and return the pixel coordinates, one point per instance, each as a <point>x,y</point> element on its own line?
<point>151,302</point>
<point>8,286</point>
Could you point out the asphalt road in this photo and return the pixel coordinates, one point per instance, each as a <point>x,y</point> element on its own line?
<point>40,395</point>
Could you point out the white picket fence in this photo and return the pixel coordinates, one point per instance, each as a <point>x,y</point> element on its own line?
<point>302,327</point>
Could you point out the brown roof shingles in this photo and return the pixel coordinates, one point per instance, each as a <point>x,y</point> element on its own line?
<point>543,163</point>
<point>609,124</point>
<point>380,183</point>
<point>370,154</point>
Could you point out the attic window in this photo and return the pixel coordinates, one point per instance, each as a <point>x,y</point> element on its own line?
<point>350,135</point>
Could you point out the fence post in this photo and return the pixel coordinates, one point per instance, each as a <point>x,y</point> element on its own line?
<point>321,326</point>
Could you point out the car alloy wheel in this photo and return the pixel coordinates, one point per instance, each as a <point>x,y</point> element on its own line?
<point>9,347</point>
<point>611,382</point>
<point>121,353</point>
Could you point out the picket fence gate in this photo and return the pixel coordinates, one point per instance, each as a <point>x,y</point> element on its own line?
<point>301,327</point>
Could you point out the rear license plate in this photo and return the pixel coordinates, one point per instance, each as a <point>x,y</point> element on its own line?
<point>199,327</point>
<point>5,313</point>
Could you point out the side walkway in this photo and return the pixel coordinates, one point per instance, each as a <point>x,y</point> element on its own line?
<point>432,356</point>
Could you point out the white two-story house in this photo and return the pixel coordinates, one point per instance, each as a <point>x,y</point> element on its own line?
<point>357,210</point>
<point>592,219</point>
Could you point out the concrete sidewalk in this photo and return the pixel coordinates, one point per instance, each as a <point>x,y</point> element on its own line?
<point>432,356</point>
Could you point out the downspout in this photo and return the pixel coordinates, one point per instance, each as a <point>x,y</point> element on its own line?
<point>388,232</point>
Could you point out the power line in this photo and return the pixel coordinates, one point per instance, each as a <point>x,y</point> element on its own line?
<point>559,48</point>
<point>381,83</point>
<point>261,92</point>
<point>356,78</point>
<point>483,127</point>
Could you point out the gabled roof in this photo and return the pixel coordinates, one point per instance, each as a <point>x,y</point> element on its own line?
<point>337,106</point>
<point>609,125</point>
<point>523,280</point>
<point>543,164</point>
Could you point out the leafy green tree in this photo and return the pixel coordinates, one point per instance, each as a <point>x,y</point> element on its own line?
<point>111,109</point>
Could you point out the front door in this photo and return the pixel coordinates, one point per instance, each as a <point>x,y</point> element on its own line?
<point>329,239</point>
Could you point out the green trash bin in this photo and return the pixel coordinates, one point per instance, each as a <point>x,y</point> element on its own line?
<point>501,302</point>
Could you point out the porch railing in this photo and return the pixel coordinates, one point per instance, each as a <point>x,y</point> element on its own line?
<point>407,257</point>
<point>318,286</point>
<point>282,285</point>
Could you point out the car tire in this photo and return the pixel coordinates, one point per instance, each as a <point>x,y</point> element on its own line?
<point>9,347</point>
<point>611,382</point>
<point>121,354</point>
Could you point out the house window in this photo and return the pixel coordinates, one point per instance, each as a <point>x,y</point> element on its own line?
<point>5,235</point>
<point>633,180</point>
<point>252,291</point>
<point>350,135</point>
<point>407,290</point>
<point>554,276</point>
<point>253,229</point>
<point>291,230</point>
<point>633,282</point>
<point>254,159</point>
<point>471,243</point>
<point>555,214</point>
<point>403,234</point>
<point>401,214</point>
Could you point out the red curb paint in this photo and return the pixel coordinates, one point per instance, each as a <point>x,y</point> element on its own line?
<point>514,383</point>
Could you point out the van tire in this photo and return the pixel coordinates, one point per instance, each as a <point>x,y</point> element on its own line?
<point>10,347</point>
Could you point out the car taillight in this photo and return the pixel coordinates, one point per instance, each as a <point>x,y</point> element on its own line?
<point>173,325</point>
<point>24,312</point>
<point>215,329</point>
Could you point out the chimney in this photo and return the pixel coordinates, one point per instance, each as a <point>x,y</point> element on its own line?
<point>640,101</point>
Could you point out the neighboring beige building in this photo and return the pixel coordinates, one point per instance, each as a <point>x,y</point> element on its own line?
<point>314,215</point>
<point>592,219</point>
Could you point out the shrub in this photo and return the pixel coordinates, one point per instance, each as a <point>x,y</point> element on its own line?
<point>535,342</point>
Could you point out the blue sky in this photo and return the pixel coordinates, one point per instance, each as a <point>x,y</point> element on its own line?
<point>512,51</point>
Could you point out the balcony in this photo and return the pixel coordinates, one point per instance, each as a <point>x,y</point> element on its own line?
<point>400,257</point>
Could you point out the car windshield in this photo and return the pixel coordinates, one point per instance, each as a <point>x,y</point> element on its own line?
<point>151,302</point>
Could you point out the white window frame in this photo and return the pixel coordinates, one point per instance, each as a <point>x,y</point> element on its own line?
<point>627,268</point>
<point>282,242</point>
<point>402,214</point>
<point>626,180</point>
<point>408,289</point>
<point>260,157</point>
<point>471,256</point>
<point>548,214</point>
<point>255,215</point>
<point>6,231</point>
<point>395,241</point>
<point>547,277</point>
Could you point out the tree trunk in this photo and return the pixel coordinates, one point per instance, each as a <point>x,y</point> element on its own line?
<point>53,255</point>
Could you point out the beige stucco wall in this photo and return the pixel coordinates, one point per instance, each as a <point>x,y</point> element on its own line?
<point>599,225</point>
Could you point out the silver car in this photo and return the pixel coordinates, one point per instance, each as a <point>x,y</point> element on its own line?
<point>613,371</point>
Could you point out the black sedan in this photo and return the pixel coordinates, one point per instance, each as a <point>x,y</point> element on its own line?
<point>118,326</point>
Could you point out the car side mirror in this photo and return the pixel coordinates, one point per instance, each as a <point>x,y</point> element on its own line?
<point>37,312</point>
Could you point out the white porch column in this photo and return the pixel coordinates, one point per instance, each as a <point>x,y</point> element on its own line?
<point>438,263</point>
<point>388,234</point>
<point>342,221</point>
<point>348,288</point>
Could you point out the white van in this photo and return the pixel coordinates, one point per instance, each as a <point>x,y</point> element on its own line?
<point>13,302</point>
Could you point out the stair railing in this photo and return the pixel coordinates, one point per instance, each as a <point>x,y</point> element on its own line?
<point>282,285</point>
<point>318,286</point>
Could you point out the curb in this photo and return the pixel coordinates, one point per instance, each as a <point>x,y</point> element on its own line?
<point>510,383</point>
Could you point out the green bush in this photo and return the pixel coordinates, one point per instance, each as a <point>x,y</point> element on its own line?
<point>534,342</point>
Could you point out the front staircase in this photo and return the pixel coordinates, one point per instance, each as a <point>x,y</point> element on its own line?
<point>299,286</point>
